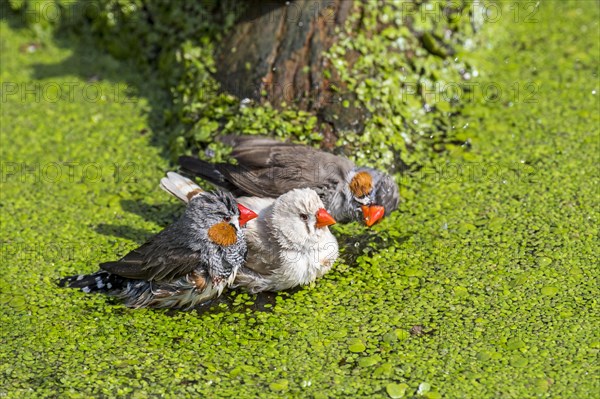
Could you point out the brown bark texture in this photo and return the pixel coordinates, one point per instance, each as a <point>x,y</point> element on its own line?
<point>275,53</point>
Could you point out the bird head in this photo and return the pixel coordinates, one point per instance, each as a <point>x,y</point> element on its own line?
<point>222,216</point>
<point>375,193</point>
<point>299,217</point>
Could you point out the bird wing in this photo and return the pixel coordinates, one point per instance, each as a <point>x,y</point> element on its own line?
<point>263,252</point>
<point>256,204</point>
<point>271,168</point>
<point>153,261</point>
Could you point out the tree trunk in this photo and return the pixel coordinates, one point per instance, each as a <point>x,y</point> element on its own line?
<point>275,54</point>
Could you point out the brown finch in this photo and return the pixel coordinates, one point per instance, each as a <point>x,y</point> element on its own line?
<point>189,262</point>
<point>268,168</point>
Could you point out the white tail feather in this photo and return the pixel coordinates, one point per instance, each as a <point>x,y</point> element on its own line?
<point>180,187</point>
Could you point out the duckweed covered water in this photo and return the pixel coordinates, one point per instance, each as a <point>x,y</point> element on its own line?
<point>483,284</point>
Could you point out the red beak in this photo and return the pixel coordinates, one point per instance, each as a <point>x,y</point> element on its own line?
<point>324,219</point>
<point>246,215</point>
<point>372,214</point>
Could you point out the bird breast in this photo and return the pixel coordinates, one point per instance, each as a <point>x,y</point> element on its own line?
<point>303,267</point>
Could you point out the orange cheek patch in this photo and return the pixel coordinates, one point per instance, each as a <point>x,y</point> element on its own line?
<point>222,234</point>
<point>361,184</point>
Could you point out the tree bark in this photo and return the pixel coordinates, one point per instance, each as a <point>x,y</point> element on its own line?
<point>275,54</point>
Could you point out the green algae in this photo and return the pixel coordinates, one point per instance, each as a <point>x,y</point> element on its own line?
<point>451,293</point>
<point>398,58</point>
<point>396,390</point>
<point>407,60</point>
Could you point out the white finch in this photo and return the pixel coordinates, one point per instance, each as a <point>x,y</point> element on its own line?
<point>289,243</point>
<point>189,262</point>
<point>270,168</point>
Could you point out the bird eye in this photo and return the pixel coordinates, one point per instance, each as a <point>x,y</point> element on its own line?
<point>227,219</point>
<point>304,216</point>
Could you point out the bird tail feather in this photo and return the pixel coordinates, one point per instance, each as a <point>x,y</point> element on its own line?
<point>101,281</point>
<point>180,187</point>
<point>203,169</point>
